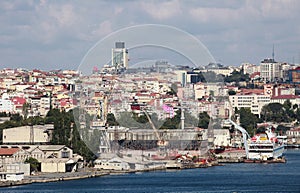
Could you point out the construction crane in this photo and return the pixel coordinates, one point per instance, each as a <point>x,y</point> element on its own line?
<point>161,142</point>
<point>245,135</point>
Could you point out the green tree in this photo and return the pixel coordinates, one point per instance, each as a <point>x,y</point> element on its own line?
<point>172,123</point>
<point>111,120</point>
<point>275,112</point>
<point>281,129</point>
<point>287,105</point>
<point>25,109</point>
<point>231,92</point>
<point>237,77</point>
<point>295,106</point>
<point>203,120</point>
<point>190,120</point>
<point>248,120</point>
<point>34,164</point>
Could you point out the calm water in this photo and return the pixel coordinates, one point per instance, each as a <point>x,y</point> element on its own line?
<point>228,178</point>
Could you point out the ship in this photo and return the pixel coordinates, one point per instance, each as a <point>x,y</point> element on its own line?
<point>265,146</point>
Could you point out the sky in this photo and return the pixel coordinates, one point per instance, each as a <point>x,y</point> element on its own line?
<point>51,35</point>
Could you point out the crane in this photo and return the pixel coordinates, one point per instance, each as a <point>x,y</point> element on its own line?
<point>245,135</point>
<point>161,142</point>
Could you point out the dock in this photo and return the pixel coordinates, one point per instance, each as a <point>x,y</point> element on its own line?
<point>53,177</point>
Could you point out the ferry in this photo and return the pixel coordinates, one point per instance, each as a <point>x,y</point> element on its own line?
<point>265,146</point>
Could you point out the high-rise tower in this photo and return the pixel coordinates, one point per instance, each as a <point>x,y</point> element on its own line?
<point>119,58</point>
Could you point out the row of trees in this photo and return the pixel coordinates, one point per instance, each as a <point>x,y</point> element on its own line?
<point>65,131</point>
<point>277,112</point>
<point>273,112</point>
<point>211,76</point>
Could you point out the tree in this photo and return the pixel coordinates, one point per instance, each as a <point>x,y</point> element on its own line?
<point>25,109</point>
<point>287,105</point>
<point>111,120</point>
<point>3,114</point>
<point>248,120</point>
<point>172,123</point>
<point>190,120</point>
<point>203,120</point>
<point>237,77</point>
<point>281,129</point>
<point>275,112</point>
<point>34,164</point>
<point>231,92</point>
<point>66,133</point>
<point>295,106</point>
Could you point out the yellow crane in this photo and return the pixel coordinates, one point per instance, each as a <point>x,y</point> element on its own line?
<point>161,142</point>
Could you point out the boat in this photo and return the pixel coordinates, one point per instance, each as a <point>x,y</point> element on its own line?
<point>265,146</point>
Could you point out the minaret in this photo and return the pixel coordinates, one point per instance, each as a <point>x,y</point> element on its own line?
<point>182,118</point>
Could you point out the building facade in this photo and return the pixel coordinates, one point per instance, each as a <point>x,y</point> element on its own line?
<point>119,58</point>
<point>270,70</point>
<point>253,101</point>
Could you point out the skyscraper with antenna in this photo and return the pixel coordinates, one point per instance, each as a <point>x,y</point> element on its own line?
<point>270,70</point>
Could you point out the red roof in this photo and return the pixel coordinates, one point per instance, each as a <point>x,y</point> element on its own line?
<point>295,129</point>
<point>285,97</point>
<point>298,68</point>
<point>252,91</point>
<point>8,151</point>
<point>18,101</point>
<point>254,74</point>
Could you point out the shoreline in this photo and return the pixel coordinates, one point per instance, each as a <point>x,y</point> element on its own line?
<point>56,177</point>
<point>92,173</point>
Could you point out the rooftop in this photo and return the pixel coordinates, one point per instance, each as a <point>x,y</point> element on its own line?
<point>8,151</point>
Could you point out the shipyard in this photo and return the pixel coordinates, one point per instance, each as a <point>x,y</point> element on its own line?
<point>146,99</point>
<point>139,120</point>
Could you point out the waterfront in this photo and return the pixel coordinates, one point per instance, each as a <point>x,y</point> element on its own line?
<point>241,177</point>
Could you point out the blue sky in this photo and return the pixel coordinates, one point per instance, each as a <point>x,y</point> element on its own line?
<point>57,34</point>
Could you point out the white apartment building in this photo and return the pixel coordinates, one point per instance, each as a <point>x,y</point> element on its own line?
<point>39,106</point>
<point>253,101</point>
<point>6,105</point>
<point>270,70</point>
<point>250,68</point>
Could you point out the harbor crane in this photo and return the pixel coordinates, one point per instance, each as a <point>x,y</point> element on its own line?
<point>245,135</point>
<point>161,142</point>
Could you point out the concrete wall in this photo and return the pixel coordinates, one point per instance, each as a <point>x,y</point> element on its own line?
<point>50,167</point>
<point>18,167</point>
<point>22,134</point>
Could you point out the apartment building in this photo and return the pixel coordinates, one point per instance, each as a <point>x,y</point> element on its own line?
<point>253,101</point>
<point>270,70</point>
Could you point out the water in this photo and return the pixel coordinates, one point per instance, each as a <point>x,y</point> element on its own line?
<point>229,178</point>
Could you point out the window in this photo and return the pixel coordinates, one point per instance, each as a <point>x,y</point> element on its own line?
<point>65,154</point>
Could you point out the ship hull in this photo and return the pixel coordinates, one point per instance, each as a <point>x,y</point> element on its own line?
<point>265,151</point>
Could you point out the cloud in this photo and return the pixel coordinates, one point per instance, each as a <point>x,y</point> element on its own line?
<point>64,15</point>
<point>104,28</point>
<point>60,32</point>
<point>162,10</point>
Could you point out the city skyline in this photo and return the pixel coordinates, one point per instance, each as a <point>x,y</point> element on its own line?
<point>57,35</point>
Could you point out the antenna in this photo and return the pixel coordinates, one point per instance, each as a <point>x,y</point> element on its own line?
<point>273,53</point>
